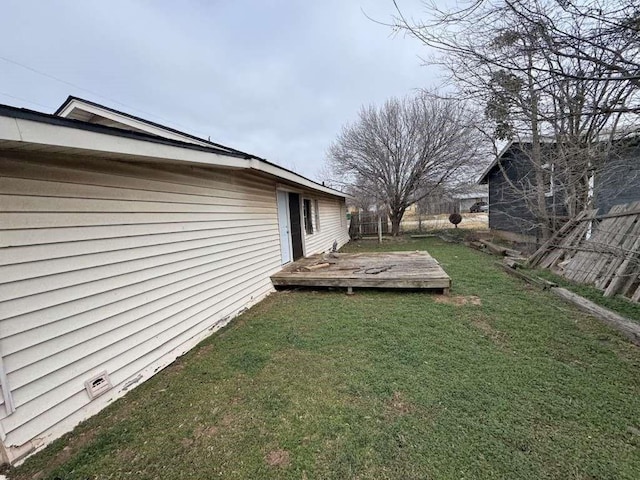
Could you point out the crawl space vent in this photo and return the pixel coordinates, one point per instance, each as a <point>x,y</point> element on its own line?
<point>98,385</point>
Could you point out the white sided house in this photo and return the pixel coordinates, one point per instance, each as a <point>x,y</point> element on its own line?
<point>123,244</point>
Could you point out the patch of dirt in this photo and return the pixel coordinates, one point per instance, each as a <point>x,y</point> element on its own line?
<point>278,458</point>
<point>227,420</point>
<point>458,300</point>
<point>494,335</point>
<point>186,442</point>
<point>399,405</point>
<point>126,455</point>
<point>176,367</point>
<point>204,350</point>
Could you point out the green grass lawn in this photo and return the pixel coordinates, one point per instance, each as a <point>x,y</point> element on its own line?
<point>321,385</point>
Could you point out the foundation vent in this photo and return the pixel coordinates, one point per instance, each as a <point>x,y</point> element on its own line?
<point>98,385</point>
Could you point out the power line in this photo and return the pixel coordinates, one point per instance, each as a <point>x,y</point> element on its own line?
<point>39,72</point>
<point>57,79</point>
<point>25,100</point>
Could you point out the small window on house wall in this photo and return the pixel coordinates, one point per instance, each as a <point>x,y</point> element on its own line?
<point>316,211</point>
<point>308,222</point>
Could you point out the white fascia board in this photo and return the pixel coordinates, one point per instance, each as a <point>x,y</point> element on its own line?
<point>39,133</point>
<point>127,121</point>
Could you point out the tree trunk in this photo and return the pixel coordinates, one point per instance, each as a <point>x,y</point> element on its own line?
<point>536,154</point>
<point>396,219</point>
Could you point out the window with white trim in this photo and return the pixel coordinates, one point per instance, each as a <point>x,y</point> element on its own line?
<point>316,211</point>
<point>308,218</point>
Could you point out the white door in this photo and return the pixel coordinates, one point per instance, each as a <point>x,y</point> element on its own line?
<point>283,225</point>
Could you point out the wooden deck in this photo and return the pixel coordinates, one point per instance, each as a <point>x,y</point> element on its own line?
<point>365,270</point>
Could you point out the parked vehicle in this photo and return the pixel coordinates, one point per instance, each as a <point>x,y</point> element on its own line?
<point>479,207</point>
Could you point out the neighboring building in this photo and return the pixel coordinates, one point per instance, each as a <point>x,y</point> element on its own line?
<point>123,244</point>
<point>510,211</point>
<point>465,200</point>
<point>456,199</point>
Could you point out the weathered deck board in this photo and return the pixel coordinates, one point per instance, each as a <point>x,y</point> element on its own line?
<point>366,270</point>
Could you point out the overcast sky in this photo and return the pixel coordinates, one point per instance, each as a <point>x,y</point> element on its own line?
<point>276,78</point>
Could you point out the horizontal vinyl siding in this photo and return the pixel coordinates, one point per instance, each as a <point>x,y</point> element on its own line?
<point>114,267</point>
<point>508,210</point>
<point>619,182</point>
<point>333,227</point>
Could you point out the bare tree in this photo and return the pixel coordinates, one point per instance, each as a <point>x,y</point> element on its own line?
<point>602,33</point>
<point>545,72</point>
<point>406,146</point>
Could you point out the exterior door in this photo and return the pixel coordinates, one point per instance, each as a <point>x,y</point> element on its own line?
<point>283,226</point>
<point>296,225</point>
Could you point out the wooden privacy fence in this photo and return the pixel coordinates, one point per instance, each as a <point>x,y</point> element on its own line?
<point>603,251</point>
